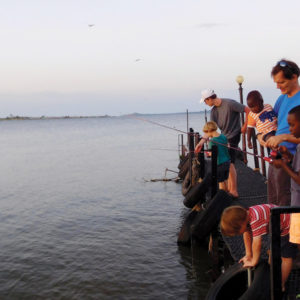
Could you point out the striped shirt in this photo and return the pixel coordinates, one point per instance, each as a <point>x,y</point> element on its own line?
<point>259,216</point>
<point>264,121</point>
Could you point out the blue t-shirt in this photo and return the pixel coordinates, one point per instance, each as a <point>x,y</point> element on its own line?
<point>282,107</point>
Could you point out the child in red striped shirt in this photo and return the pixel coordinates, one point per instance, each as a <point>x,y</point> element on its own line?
<point>253,223</point>
<point>261,116</point>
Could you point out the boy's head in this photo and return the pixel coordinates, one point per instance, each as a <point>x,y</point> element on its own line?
<point>234,220</point>
<point>293,120</point>
<point>210,127</point>
<point>255,101</point>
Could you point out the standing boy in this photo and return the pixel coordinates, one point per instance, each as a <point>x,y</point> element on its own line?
<point>292,171</point>
<point>223,160</point>
<point>261,116</point>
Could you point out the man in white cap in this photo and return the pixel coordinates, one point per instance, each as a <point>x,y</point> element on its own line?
<point>226,113</point>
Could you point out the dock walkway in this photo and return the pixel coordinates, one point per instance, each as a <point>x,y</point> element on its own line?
<point>252,186</point>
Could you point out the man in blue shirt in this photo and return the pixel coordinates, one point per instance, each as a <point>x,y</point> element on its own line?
<point>285,74</point>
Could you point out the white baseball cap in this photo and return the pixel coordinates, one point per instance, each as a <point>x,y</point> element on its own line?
<point>206,94</point>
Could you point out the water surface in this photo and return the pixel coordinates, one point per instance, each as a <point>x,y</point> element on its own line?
<point>78,219</point>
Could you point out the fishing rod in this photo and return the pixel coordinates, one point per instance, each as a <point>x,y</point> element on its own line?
<point>268,159</point>
<point>161,149</point>
<point>273,154</point>
<point>156,123</point>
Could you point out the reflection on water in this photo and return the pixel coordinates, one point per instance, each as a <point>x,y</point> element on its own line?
<point>78,220</point>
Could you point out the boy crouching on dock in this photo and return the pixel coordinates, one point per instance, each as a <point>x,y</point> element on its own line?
<point>223,160</point>
<point>253,223</point>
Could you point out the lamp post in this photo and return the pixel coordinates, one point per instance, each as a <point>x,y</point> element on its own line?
<point>240,80</point>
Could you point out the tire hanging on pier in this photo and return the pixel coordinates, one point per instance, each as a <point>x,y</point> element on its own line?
<point>230,285</point>
<point>233,284</point>
<point>198,192</point>
<point>184,166</point>
<point>186,184</point>
<point>184,235</point>
<point>201,223</point>
<point>209,218</point>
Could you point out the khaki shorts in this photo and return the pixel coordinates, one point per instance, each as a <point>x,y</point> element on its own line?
<point>295,229</point>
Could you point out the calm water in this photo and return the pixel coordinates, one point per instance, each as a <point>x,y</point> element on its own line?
<point>79,221</point>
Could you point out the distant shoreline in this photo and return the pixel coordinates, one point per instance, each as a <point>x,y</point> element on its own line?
<point>12,117</point>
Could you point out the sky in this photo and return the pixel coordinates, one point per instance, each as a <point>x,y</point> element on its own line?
<point>144,56</point>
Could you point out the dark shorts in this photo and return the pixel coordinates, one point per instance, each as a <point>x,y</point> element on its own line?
<point>223,171</point>
<point>279,187</point>
<point>288,249</point>
<point>266,137</point>
<point>233,142</point>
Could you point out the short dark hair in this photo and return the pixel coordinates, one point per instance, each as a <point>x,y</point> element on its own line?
<point>295,111</point>
<point>255,95</point>
<point>289,68</point>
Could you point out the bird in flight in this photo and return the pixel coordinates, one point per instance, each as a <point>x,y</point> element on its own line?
<point>138,59</point>
<point>91,25</point>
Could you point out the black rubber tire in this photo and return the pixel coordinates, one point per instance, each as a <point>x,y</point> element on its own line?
<point>186,184</point>
<point>233,284</point>
<point>230,285</point>
<point>197,193</point>
<point>209,217</point>
<point>200,224</point>
<point>182,161</point>
<point>184,167</point>
<point>260,287</point>
<point>184,235</point>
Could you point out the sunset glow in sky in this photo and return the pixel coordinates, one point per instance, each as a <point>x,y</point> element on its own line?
<point>146,56</point>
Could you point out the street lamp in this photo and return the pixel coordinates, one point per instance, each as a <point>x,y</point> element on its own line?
<point>240,79</point>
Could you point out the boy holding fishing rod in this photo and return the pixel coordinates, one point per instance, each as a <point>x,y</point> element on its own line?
<point>290,164</point>
<point>223,159</point>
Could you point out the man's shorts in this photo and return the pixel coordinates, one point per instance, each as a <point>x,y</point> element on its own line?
<point>268,135</point>
<point>288,249</point>
<point>223,171</point>
<point>233,142</point>
<point>295,229</point>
